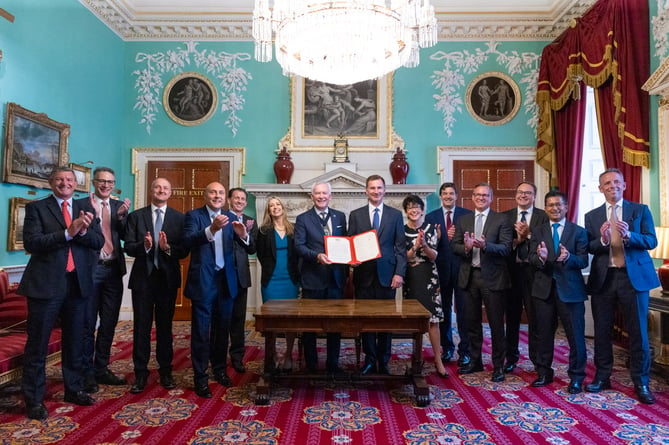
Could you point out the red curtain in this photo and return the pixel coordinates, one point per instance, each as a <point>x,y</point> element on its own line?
<point>607,48</point>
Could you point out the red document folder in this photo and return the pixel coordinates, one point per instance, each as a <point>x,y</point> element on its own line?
<point>353,249</point>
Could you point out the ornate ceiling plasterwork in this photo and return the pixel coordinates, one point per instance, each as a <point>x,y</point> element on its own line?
<point>135,20</point>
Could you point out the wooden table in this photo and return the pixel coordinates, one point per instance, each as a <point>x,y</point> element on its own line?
<point>349,317</point>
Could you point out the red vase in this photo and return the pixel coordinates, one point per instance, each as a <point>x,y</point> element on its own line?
<point>283,167</point>
<point>399,167</point>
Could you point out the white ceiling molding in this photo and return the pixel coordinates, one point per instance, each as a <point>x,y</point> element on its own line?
<point>230,20</point>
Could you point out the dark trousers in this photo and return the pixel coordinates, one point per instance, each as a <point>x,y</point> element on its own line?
<point>105,304</point>
<point>572,316</point>
<point>233,330</point>
<point>519,296</point>
<point>450,294</point>
<point>333,338</point>
<point>475,294</point>
<point>154,300</point>
<point>376,345</point>
<point>42,316</point>
<point>618,290</point>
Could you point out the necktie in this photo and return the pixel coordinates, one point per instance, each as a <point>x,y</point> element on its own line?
<point>375,219</point>
<point>556,238</point>
<point>108,248</point>
<point>324,222</point>
<point>478,230</point>
<point>157,227</point>
<point>449,221</point>
<point>68,221</point>
<point>523,215</point>
<point>617,253</point>
<point>218,247</point>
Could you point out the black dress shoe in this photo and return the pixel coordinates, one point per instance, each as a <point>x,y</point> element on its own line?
<point>37,412</point>
<point>108,378</point>
<point>138,386</point>
<point>238,367</point>
<point>79,398</point>
<point>447,356</point>
<point>497,375</point>
<point>167,381</point>
<point>223,379</point>
<point>598,386</point>
<point>542,380</point>
<point>464,360</point>
<point>383,369</point>
<point>509,367</point>
<point>368,369</point>
<point>203,391</point>
<point>470,368</point>
<point>575,387</point>
<point>90,385</point>
<point>644,395</point>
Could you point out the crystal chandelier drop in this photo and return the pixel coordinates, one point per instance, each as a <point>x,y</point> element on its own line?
<point>343,41</point>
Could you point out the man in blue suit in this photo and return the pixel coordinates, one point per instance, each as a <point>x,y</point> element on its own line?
<point>320,278</point>
<point>448,265</point>
<point>63,237</point>
<point>620,233</point>
<point>211,284</point>
<point>378,279</point>
<point>558,252</point>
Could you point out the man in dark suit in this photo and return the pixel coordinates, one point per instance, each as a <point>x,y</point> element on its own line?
<point>483,239</point>
<point>108,281</point>
<point>380,278</point>
<point>64,238</point>
<point>448,266</point>
<point>558,251</point>
<point>524,218</point>
<point>211,284</point>
<point>235,330</point>
<point>622,273</point>
<point>153,237</point>
<point>320,278</point>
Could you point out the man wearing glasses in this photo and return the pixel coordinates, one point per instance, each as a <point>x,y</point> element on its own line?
<point>483,240</point>
<point>525,218</point>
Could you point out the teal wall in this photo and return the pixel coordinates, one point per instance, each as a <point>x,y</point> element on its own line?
<point>61,60</point>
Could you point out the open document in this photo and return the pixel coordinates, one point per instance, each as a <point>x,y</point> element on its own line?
<point>352,249</point>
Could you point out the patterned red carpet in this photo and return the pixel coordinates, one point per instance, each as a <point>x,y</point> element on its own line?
<point>463,410</point>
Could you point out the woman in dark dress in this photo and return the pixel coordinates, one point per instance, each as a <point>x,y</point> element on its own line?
<point>421,281</point>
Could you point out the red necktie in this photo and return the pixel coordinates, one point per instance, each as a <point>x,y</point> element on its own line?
<point>68,221</point>
<point>449,223</point>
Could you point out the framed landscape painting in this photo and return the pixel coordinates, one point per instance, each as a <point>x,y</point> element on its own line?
<point>34,145</point>
<point>17,213</point>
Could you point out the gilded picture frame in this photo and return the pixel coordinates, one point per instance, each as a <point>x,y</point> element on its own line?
<point>34,145</point>
<point>322,112</point>
<point>190,98</point>
<point>83,176</point>
<point>17,214</point>
<point>493,98</point>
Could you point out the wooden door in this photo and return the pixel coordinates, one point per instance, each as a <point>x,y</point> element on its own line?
<point>503,176</point>
<point>188,179</point>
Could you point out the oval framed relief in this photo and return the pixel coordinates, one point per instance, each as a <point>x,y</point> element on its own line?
<point>190,98</point>
<point>493,98</point>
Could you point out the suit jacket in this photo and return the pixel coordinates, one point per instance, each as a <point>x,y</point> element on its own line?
<point>309,242</point>
<point>141,221</point>
<point>118,232</point>
<point>202,269</point>
<point>522,250</point>
<point>567,276</point>
<point>448,263</point>
<point>266,253</point>
<point>640,267</point>
<point>499,239</point>
<point>242,252</point>
<point>393,260</point>
<point>44,238</point>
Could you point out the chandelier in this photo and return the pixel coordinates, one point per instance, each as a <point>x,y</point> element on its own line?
<point>343,41</point>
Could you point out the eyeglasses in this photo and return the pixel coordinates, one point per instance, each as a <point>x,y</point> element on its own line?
<point>105,181</point>
<point>524,193</point>
<point>481,195</point>
<point>414,208</point>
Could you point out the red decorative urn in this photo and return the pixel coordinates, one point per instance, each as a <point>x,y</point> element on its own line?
<point>399,167</point>
<point>283,167</point>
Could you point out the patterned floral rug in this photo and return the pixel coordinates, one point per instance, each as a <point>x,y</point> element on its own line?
<point>466,409</point>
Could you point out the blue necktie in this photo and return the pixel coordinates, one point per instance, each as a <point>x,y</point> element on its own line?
<point>556,238</point>
<point>157,227</point>
<point>218,246</point>
<point>375,219</point>
<point>523,215</point>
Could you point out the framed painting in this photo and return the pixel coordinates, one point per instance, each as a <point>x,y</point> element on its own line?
<point>190,98</point>
<point>83,175</point>
<point>493,98</point>
<point>17,213</point>
<point>34,145</point>
<point>322,112</point>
